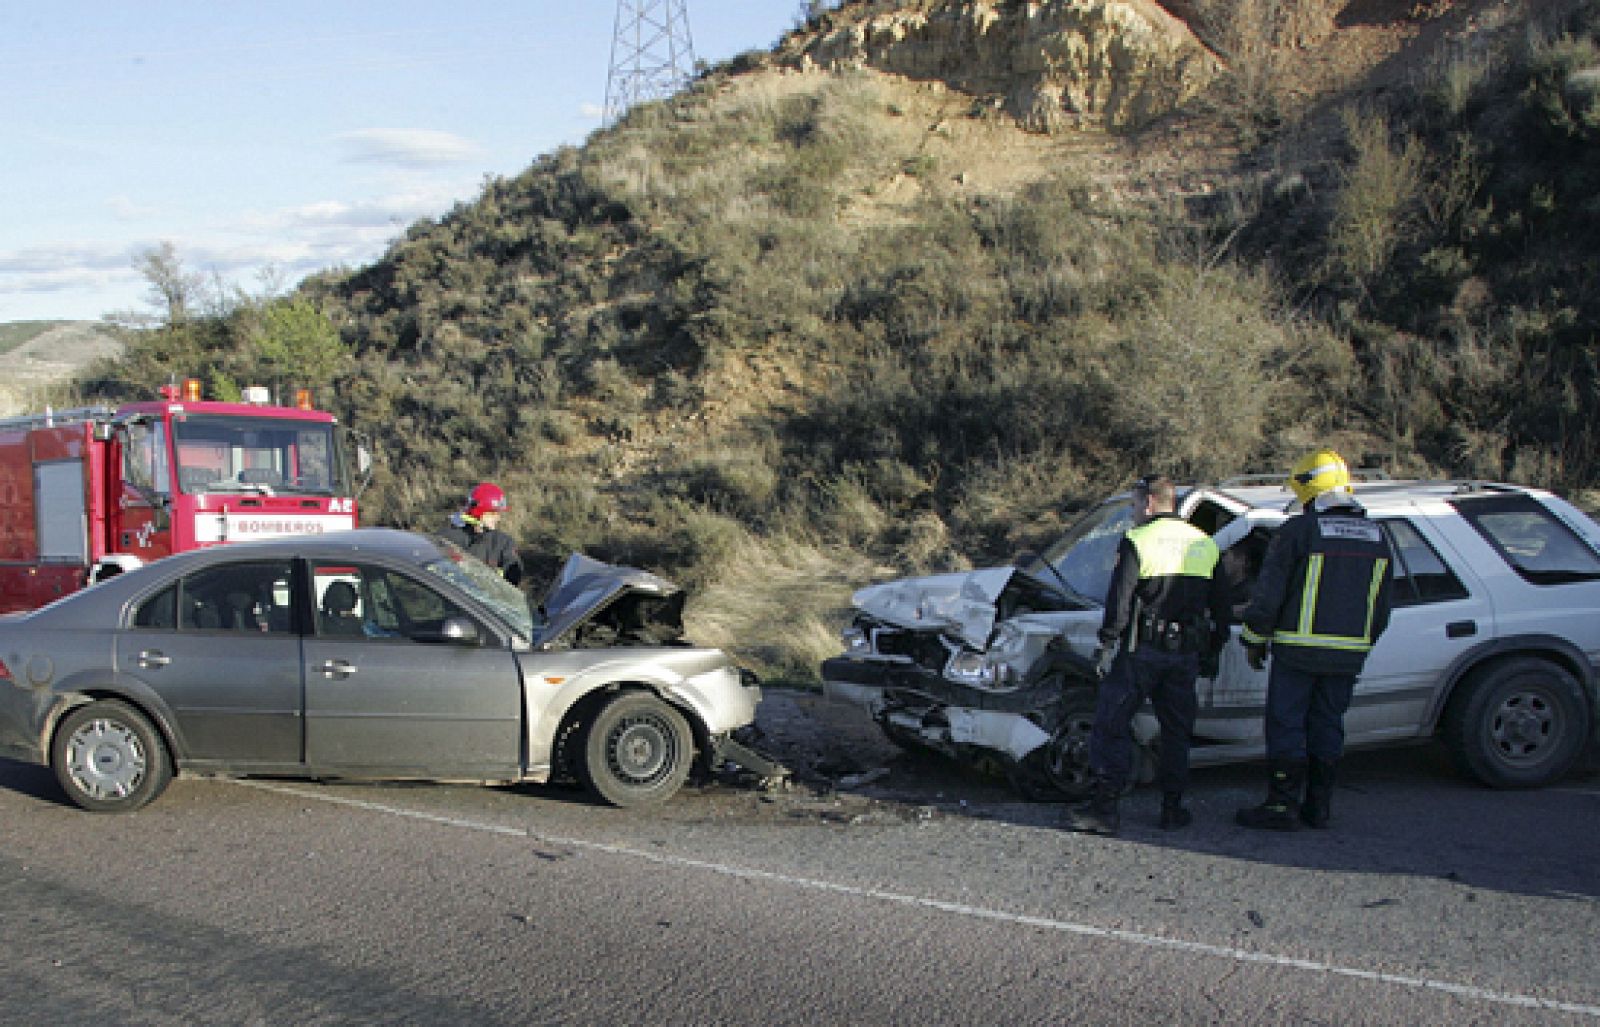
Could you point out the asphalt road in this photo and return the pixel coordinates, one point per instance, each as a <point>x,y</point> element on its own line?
<point>912,893</point>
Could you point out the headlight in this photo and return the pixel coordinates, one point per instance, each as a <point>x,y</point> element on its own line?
<point>856,641</point>
<point>969,668</point>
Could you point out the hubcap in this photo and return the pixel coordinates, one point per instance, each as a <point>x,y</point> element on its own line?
<point>105,759</point>
<point>1523,725</point>
<point>642,750</point>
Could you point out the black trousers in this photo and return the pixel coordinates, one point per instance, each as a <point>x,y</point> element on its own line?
<point>1167,680</point>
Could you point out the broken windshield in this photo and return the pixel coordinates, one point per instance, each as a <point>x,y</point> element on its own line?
<point>1086,555</point>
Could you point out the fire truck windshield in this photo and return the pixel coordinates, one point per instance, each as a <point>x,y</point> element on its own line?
<point>263,455</point>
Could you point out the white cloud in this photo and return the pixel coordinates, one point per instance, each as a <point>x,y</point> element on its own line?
<point>124,208</point>
<point>592,111</point>
<point>407,147</point>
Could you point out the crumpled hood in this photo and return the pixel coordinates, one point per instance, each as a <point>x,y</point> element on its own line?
<point>962,605</point>
<point>585,586</point>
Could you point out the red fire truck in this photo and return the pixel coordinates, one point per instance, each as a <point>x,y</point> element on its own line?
<point>92,492</point>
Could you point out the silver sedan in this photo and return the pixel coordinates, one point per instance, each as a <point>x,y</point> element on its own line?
<point>366,654</point>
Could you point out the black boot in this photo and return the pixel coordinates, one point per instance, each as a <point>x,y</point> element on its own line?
<point>1281,811</point>
<point>1317,808</point>
<point>1173,813</point>
<point>1097,816</point>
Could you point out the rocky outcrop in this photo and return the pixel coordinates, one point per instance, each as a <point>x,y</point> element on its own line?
<point>1051,64</point>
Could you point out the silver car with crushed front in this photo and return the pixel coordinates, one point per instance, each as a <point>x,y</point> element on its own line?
<point>366,654</point>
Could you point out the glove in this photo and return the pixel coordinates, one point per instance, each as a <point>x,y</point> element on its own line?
<point>1210,664</point>
<point>1103,658</point>
<point>1256,654</point>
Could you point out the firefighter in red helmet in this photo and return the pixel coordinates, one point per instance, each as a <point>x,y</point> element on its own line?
<point>476,528</point>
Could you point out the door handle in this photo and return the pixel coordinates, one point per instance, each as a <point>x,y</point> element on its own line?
<point>1461,629</point>
<point>150,659</point>
<point>337,668</point>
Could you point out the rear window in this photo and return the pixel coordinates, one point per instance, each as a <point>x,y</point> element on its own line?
<point>1532,540</point>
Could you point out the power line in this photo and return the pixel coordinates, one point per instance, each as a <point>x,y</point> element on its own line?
<point>652,55</point>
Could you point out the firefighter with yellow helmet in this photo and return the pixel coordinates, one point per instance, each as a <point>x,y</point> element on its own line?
<point>1319,604</point>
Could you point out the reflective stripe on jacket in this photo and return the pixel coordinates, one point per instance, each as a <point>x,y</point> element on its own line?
<point>1166,571</point>
<point>1323,595</point>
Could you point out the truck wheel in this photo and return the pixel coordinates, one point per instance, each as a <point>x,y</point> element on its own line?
<point>1519,723</point>
<point>108,758</point>
<point>638,751</point>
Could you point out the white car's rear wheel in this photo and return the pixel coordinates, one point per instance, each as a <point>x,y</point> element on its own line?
<point>1518,723</point>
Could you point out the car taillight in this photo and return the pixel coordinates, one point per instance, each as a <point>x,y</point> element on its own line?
<point>5,672</point>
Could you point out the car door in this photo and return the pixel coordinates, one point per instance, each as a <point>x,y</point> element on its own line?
<point>219,648</point>
<point>387,693</point>
<point>1441,610</point>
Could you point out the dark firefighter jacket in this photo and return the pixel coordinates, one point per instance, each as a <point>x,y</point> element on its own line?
<point>1323,595</point>
<point>492,546</point>
<point>1165,576</point>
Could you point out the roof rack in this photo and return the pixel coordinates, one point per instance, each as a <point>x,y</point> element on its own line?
<point>55,418</point>
<point>1247,480</point>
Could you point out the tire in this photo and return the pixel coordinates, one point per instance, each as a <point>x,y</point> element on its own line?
<point>1067,752</point>
<point>1519,723</point>
<point>108,757</point>
<point>637,751</point>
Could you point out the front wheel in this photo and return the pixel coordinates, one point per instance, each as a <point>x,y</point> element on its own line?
<point>638,751</point>
<point>108,757</point>
<point>1520,723</point>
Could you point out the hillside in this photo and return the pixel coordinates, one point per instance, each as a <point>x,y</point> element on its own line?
<point>897,294</point>
<point>37,357</point>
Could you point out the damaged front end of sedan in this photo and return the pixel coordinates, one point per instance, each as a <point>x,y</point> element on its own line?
<point>980,667</point>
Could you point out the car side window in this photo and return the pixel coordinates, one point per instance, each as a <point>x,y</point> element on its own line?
<point>159,612</point>
<point>1420,574</point>
<point>371,602</point>
<point>248,597</point>
<point>1536,544</point>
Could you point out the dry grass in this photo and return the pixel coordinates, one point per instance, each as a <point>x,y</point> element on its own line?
<point>779,603</point>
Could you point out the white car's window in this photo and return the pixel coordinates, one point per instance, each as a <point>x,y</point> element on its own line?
<point>1420,576</point>
<point>1086,555</point>
<point>1531,539</point>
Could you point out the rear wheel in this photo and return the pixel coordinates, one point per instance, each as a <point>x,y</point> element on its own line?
<point>638,751</point>
<point>108,757</point>
<point>1519,723</point>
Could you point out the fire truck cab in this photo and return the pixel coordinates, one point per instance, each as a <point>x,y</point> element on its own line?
<point>91,492</point>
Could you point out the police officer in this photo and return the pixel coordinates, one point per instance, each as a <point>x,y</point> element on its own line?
<point>1166,621</point>
<point>475,528</point>
<point>1320,603</point>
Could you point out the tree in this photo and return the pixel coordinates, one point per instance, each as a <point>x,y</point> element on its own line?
<point>298,344</point>
<point>174,289</point>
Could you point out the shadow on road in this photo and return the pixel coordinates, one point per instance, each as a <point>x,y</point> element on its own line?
<point>1396,811</point>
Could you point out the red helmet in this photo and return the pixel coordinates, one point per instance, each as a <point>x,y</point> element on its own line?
<point>486,498</point>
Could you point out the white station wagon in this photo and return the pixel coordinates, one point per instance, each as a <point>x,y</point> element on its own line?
<point>1494,644</point>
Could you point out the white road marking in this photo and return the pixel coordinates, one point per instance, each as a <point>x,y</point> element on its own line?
<point>957,908</point>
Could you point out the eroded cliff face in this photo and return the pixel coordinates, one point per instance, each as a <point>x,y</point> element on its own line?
<point>1051,64</point>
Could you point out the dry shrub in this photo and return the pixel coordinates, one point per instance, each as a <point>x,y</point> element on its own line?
<point>1378,193</point>
<point>778,603</point>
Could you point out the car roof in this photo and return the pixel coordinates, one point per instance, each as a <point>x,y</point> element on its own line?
<point>105,599</point>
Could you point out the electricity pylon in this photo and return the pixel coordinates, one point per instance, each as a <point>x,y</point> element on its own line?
<point>652,55</point>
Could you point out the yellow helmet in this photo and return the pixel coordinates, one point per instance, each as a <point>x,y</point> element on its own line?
<point>1317,473</point>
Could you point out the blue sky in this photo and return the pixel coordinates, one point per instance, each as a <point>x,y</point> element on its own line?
<point>293,135</point>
